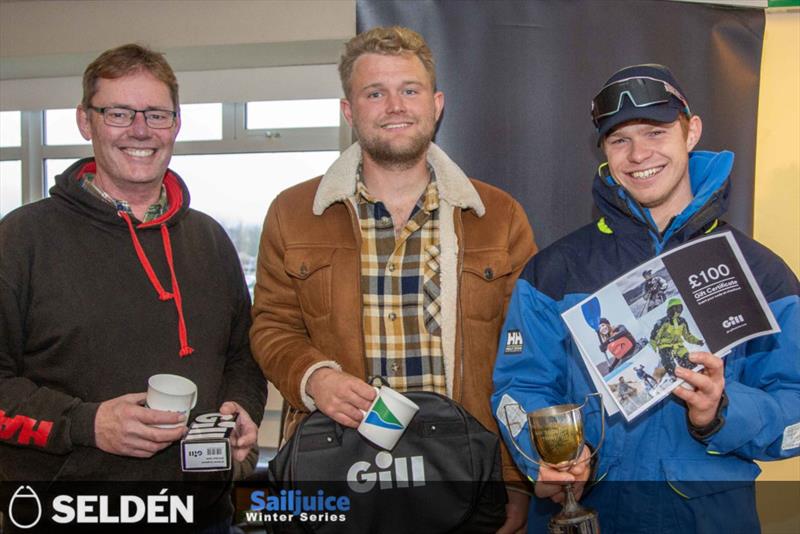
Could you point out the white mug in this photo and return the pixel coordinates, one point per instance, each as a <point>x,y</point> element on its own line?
<point>387,418</point>
<point>171,393</point>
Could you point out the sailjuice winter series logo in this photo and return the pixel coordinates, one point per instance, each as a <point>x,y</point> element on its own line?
<point>381,416</point>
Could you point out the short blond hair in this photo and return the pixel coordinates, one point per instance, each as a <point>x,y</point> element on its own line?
<point>386,40</point>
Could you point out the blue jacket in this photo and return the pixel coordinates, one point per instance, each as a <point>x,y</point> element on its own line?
<point>651,475</point>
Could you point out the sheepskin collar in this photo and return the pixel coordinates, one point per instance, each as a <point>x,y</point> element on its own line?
<point>339,182</point>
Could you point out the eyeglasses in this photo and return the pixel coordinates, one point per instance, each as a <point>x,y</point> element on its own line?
<point>124,117</point>
<point>642,91</point>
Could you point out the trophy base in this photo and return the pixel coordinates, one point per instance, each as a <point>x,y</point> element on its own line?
<point>583,522</point>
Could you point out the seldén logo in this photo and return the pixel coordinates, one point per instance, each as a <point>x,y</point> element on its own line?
<point>22,498</point>
<point>25,509</point>
<point>381,416</point>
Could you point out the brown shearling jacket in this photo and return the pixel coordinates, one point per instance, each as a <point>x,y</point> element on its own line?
<point>307,306</point>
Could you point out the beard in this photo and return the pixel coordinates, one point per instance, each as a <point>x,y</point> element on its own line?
<point>396,155</point>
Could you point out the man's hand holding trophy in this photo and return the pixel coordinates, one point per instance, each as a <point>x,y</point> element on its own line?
<point>557,433</point>
<point>551,480</point>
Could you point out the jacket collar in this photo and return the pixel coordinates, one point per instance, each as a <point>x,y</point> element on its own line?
<point>339,182</point>
<point>709,173</point>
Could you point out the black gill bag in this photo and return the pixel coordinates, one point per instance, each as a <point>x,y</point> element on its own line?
<point>444,475</point>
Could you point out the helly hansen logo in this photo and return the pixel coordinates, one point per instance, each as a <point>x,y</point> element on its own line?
<point>25,429</point>
<point>513,342</point>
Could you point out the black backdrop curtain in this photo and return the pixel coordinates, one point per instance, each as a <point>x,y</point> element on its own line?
<point>519,76</point>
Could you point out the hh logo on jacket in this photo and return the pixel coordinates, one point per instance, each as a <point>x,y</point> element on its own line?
<point>29,431</point>
<point>513,342</point>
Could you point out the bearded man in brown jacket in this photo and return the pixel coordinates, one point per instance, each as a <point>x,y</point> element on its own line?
<point>393,263</point>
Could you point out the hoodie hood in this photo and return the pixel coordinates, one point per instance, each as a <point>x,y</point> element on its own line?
<point>69,190</point>
<point>709,174</point>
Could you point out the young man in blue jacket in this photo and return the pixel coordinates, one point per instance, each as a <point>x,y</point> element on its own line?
<point>687,465</point>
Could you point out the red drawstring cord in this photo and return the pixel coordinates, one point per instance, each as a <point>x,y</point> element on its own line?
<point>151,275</point>
<point>176,294</point>
<point>148,269</point>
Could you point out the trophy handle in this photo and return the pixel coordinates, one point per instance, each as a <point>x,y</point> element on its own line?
<point>514,441</point>
<point>602,422</point>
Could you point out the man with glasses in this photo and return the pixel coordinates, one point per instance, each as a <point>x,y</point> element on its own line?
<point>110,280</point>
<point>687,465</point>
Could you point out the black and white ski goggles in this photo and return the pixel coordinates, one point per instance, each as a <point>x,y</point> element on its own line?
<point>642,91</point>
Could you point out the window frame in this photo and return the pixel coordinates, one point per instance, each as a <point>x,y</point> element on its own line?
<point>236,138</point>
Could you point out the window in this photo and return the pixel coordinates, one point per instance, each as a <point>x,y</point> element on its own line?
<point>200,122</point>
<point>10,186</point>
<point>10,163</point>
<point>61,128</point>
<point>293,113</point>
<point>10,129</point>
<point>53,167</point>
<point>233,172</point>
<point>237,189</point>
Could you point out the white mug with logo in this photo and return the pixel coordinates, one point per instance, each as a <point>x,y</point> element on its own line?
<point>171,393</point>
<point>387,418</point>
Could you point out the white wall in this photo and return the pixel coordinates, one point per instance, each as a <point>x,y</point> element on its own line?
<point>221,50</point>
<point>32,28</point>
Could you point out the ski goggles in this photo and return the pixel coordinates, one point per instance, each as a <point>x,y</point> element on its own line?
<point>642,91</point>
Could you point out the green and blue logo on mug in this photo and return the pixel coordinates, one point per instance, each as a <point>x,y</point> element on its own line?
<point>382,416</point>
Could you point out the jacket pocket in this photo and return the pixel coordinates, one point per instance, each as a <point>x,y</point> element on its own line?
<point>693,478</point>
<point>310,271</point>
<point>714,494</point>
<point>484,283</point>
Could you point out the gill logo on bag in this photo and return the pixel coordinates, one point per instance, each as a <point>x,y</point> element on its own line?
<point>407,472</point>
<point>513,342</point>
<point>381,416</point>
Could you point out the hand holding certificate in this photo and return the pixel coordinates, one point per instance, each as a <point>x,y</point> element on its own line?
<point>654,327</point>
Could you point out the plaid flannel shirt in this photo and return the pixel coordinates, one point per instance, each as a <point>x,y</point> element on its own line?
<point>154,211</point>
<point>400,290</point>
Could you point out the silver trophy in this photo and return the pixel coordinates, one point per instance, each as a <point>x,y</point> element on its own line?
<point>557,432</point>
